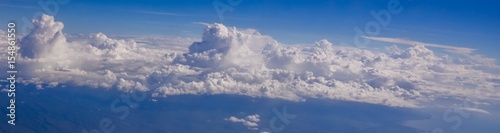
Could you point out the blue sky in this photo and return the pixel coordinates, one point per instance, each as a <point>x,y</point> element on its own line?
<point>413,79</point>
<point>473,24</point>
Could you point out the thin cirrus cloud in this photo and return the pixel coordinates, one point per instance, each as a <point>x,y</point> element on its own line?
<point>201,23</point>
<point>18,6</point>
<point>453,49</point>
<point>158,13</point>
<point>186,15</point>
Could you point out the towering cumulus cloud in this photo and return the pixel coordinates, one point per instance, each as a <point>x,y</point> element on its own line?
<point>222,46</point>
<point>46,38</point>
<point>235,61</point>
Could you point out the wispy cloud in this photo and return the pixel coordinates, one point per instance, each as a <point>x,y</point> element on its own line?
<point>192,15</point>
<point>18,6</point>
<point>397,30</point>
<point>477,110</point>
<point>201,23</point>
<point>159,13</point>
<point>453,49</point>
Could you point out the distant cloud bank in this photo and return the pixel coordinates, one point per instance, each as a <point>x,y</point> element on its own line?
<point>235,61</point>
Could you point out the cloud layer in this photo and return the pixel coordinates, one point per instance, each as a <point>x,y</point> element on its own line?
<point>235,61</point>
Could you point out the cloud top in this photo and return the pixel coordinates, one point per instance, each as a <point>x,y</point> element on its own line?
<point>45,38</point>
<point>227,60</point>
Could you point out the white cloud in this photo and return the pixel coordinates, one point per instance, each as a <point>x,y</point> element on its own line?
<point>158,13</point>
<point>249,121</point>
<point>459,50</point>
<point>18,6</point>
<point>227,60</point>
<point>201,23</point>
<point>477,110</point>
<point>46,38</point>
<point>254,118</point>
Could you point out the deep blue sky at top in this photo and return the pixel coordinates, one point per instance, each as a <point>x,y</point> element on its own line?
<point>474,24</point>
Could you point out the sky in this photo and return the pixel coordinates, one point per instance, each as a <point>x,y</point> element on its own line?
<point>456,23</point>
<point>184,47</point>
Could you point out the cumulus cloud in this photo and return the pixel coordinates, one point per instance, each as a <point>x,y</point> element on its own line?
<point>93,60</point>
<point>45,39</point>
<point>250,121</point>
<point>228,60</point>
<point>222,46</point>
